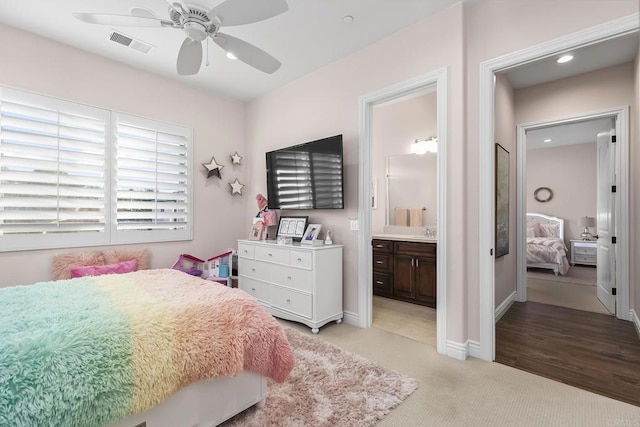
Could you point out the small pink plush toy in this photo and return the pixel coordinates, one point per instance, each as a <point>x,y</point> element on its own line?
<point>262,203</point>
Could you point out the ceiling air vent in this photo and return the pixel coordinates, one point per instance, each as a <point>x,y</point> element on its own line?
<point>130,42</point>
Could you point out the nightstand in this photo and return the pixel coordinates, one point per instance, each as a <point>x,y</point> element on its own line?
<point>584,252</point>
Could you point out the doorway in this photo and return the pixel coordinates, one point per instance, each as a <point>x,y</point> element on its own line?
<point>573,145</point>
<point>365,267</point>
<point>624,27</point>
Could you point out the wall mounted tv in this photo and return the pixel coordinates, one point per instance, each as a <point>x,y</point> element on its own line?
<point>306,176</point>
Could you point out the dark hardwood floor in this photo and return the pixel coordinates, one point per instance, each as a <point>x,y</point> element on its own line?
<point>591,351</point>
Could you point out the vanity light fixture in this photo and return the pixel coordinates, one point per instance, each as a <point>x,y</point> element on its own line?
<point>564,58</point>
<point>422,146</point>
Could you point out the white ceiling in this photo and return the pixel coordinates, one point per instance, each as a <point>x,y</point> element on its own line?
<point>310,35</point>
<point>568,134</point>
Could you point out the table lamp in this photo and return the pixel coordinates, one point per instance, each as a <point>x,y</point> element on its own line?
<point>586,222</point>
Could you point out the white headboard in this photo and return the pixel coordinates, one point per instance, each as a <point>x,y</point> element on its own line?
<point>546,219</point>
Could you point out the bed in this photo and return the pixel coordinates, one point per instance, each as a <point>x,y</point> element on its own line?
<point>545,243</point>
<point>152,346</point>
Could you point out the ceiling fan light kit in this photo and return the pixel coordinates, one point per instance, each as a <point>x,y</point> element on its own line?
<point>198,24</point>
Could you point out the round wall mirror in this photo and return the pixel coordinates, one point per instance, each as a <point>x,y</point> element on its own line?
<point>543,194</point>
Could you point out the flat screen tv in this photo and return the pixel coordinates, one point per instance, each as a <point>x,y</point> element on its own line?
<point>306,176</point>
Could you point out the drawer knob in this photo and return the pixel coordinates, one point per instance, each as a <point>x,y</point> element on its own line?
<point>288,301</point>
<point>378,246</point>
<point>379,282</point>
<point>299,259</point>
<point>270,254</point>
<point>253,269</point>
<point>253,289</point>
<point>289,277</point>
<point>378,262</point>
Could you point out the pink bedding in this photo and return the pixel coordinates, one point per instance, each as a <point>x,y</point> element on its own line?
<point>548,250</point>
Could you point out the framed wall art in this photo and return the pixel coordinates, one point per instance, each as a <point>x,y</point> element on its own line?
<point>502,201</point>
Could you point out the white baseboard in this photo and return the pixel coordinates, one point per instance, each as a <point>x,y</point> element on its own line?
<point>474,349</point>
<point>462,351</point>
<point>505,305</point>
<point>635,320</point>
<point>351,318</point>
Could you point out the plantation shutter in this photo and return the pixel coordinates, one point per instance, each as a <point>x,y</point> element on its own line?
<point>294,189</point>
<point>52,167</point>
<point>152,187</point>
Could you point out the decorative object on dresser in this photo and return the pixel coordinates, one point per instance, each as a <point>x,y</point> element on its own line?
<point>298,283</point>
<point>584,252</point>
<point>256,230</point>
<point>405,271</point>
<point>586,222</point>
<point>292,226</point>
<point>311,235</point>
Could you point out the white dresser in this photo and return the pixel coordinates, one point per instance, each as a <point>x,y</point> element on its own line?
<point>584,252</point>
<point>294,282</point>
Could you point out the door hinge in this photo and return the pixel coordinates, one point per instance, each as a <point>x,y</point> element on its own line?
<point>613,139</point>
<point>491,252</point>
<point>613,188</point>
<point>613,291</point>
<point>613,240</point>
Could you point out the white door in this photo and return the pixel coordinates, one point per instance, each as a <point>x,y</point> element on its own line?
<point>605,220</point>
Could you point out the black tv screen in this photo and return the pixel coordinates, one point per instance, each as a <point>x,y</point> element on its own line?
<point>306,176</point>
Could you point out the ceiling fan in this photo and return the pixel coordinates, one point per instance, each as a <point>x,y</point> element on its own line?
<point>198,24</point>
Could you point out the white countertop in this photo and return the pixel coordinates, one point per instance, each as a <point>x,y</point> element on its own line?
<point>405,238</point>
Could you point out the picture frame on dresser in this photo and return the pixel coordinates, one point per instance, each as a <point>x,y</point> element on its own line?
<point>292,226</point>
<point>311,234</point>
<point>257,228</point>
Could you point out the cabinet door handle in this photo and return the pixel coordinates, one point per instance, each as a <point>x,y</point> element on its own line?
<point>378,246</point>
<point>379,282</point>
<point>417,262</point>
<point>378,262</point>
<point>413,262</point>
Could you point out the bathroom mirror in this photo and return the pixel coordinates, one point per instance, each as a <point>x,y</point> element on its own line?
<point>411,190</point>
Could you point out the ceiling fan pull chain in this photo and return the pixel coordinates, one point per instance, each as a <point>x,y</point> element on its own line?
<point>207,63</point>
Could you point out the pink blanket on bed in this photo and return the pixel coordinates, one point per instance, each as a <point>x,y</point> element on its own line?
<point>548,250</point>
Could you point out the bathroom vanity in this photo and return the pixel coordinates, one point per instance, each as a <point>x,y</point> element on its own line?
<point>404,268</point>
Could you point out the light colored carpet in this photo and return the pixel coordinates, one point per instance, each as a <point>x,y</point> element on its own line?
<point>579,274</point>
<point>409,320</point>
<point>577,289</point>
<point>328,387</point>
<point>473,392</point>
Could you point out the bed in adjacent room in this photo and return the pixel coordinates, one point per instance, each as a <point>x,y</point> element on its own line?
<point>545,243</point>
<point>154,346</point>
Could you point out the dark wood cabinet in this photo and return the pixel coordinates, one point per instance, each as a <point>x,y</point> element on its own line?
<point>405,271</point>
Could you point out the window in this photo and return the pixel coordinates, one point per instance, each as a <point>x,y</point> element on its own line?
<point>74,175</point>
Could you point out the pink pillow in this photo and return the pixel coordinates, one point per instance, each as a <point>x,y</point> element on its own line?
<point>536,229</point>
<point>548,230</point>
<point>99,270</point>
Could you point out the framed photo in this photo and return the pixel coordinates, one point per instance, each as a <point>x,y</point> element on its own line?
<point>256,231</point>
<point>292,226</point>
<point>502,201</point>
<point>311,234</point>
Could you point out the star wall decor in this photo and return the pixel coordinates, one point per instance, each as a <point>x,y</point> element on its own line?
<point>235,158</point>
<point>213,168</point>
<point>236,187</point>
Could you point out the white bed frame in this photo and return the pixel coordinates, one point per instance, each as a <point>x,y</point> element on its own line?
<point>546,219</point>
<point>204,404</point>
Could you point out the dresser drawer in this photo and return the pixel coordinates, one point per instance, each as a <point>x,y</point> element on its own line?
<point>382,245</point>
<point>289,300</point>
<point>383,262</point>
<point>584,250</point>
<point>585,258</point>
<point>254,269</point>
<point>245,250</point>
<point>258,290</point>
<point>292,277</point>
<point>416,248</point>
<point>272,254</point>
<point>301,259</point>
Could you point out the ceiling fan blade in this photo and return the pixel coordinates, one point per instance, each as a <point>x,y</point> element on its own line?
<point>239,12</point>
<point>120,20</point>
<point>247,53</point>
<point>142,13</point>
<point>189,57</point>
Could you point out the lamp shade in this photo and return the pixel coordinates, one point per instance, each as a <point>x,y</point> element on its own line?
<point>587,221</point>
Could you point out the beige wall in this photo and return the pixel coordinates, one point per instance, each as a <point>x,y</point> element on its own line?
<point>395,126</point>
<point>36,64</point>
<point>570,172</point>
<point>505,132</point>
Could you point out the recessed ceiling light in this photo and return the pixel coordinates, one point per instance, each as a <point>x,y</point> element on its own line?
<point>547,140</point>
<point>347,19</point>
<point>564,58</point>
<point>231,55</point>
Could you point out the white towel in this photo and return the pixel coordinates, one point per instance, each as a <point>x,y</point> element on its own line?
<point>416,217</point>
<point>402,216</point>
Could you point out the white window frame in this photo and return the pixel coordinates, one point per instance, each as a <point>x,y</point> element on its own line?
<point>110,235</point>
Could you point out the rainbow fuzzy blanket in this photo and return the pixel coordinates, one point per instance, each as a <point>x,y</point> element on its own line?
<point>93,350</point>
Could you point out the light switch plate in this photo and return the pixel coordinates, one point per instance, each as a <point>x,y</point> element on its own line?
<point>353,225</point>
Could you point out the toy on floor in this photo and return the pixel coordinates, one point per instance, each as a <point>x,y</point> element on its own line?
<point>189,264</point>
